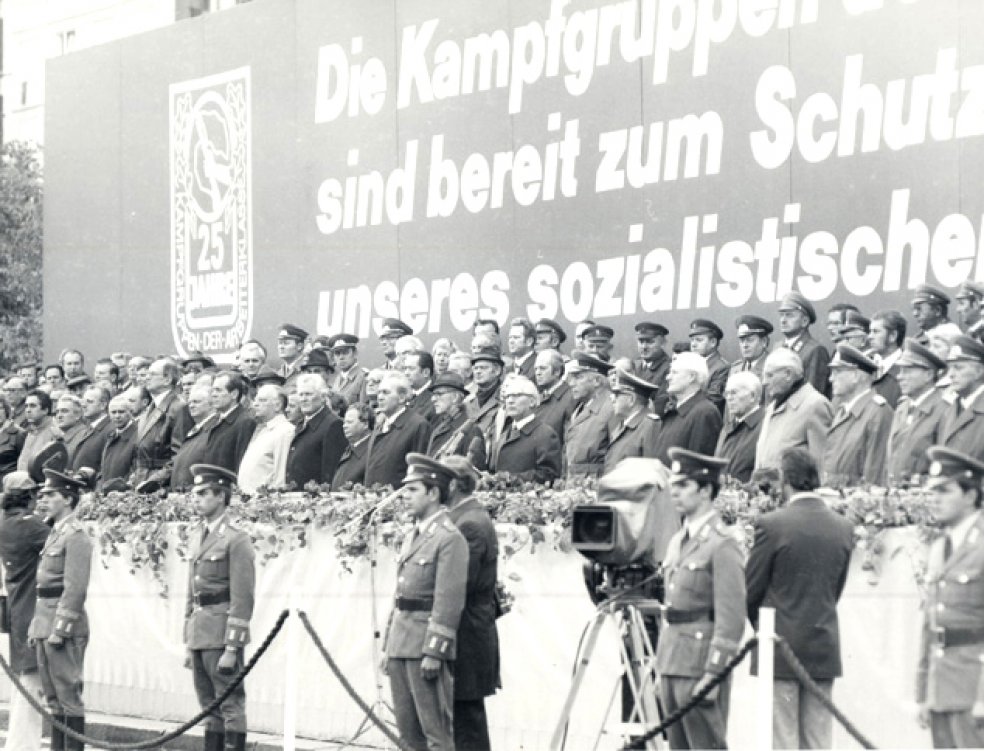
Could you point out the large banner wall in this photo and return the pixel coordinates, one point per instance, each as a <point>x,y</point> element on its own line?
<point>333,163</point>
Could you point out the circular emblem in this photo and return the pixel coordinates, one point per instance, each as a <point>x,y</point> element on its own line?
<point>935,469</point>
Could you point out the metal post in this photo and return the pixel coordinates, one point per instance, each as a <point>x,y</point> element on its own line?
<point>766,652</point>
<point>290,671</point>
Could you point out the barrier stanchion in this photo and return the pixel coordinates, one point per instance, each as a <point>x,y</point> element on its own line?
<point>766,665</point>
<point>290,672</point>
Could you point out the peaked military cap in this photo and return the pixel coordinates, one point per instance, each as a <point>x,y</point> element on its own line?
<point>855,321</point>
<point>930,294</point>
<point>267,375</point>
<point>52,456</point>
<point>198,357</point>
<point>796,301</point>
<point>949,464</point>
<point>847,356</point>
<point>703,326</point>
<point>421,468</point>
<point>342,341</point>
<point>966,348</point>
<point>916,355</point>
<point>753,325</point>
<point>970,290</point>
<point>689,465</point>
<point>290,331</point>
<point>582,362</point>
<point>550,326</point>
<point>488,354</point>
<point>449,380</point>
<point>599,333</point>
<point>61,482</point>
<point>209,475</point>
<point>316,358</point>
<point>393,328</point>
<point>649,329</point>
<point>626,383</point>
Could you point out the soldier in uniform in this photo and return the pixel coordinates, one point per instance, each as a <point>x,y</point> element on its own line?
<point>916,424</point>
<point>636,428</point>
<point>970,308</point>
<point>393,329</point>
<point>350,378</point>
<point>653,363</point>
<point>549,335</point>
<point>855,330</point>
<point>290,349</point>
<point>221,585</point>
<point>598,341</point>
<point>753,343</point>
<point>705,338</point>
<point>588,432</point>
<point>857,440</point>
<point>796,315</point>
<point>962,426</point>
<point>950,677</point>
<point>421,635</point>
<point>704,614</point>
<point>929,307</point>
<point>60,628</point>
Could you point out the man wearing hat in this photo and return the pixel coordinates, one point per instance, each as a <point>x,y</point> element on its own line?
<point>635,430</point>
<point>930,306</point>
<point>589,430</point>
<point>796,315</point>
<point>689,419</point>
<point>753,343</point>
<point>705,338</point>
<point>855,330</point>
<point>835,319</point>
<point>857,439</point>
<point>391,330</point>
<point>421,636</point>
<point>317,361</point>
<point>221,588</point>
<point>60,627</point>
<point>398,432</point>
<point>970,298</point>
<point>916,424</point>
<point>483,405</point>
<point>266,376</point>
<point>350,377</point>
<point>653,363</point>
<point>886,336</point>
<point>549,335</point>
<point>950,676</point>
<point>962,426</point>
<point>526,448</point>
<point>195,362</point>
<point>704,612</point>
<point>290,349</point>
<point>598,341</point>
<point>455,434</point>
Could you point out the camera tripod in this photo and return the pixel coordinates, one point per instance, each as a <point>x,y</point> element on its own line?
<point>640,707</point>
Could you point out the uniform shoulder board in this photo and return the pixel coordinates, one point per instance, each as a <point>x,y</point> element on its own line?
<point>879,400</point>
<point>653,416</point>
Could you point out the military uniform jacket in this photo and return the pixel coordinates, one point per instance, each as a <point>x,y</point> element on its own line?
<point>352,465</point>
<point>588,435</point>
<point>857,443</point>
<point>22,538</point>
<point>754,366</point>
<point>816,361</point>
<point>228,438</point>
<point>531,453</point>
<point>964,430</point>
<point>433,565</point>
<point>915,427</point>
<point>352,385</point>
<point>801,421</point>
<point>703,574</point>
<point>737,444</point>
<point>654,370</point>
<point>718,370</point>
<point>950,678</point>
<point>457,436</point>
<point>693,425</point>
<point>386,460</point>
<point>65,561</point>
<point>635,436</point>
<point>555,409</point>
<point>117,458</point>
<point>221,565</point>
<point>316,449</point>
<point>11,443</point>
<point>91,445</point>
<point>476,670</point>
<point>887,385</point>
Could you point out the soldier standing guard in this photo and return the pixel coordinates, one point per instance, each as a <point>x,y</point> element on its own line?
<point>421,636</point>
<point>60,628</point>
<point>220,604</point>
<point>704,614</point>
<point>950,679</point>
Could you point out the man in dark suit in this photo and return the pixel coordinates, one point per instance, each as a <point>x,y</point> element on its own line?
<point>398,432</point>
<point>556,400</point>
<point>418,367</point>
<point>886,335</point>
<point>88,452</point>
<point>195,446</point>
<point>161,428</point>
<point>705,338</point>
<point>796,315</point>
<point>527,448</point>
<point>962,426</point>
<point>690,421</point>
<point>742,426</point>
<point>522,339</point>
<point>320,441</point>
<point>476,671</point>
<point>117,456</point>
<point>234,426</point>
<point>798,565</point>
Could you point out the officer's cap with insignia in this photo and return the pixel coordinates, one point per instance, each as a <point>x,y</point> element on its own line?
<point>394,328</point>
<point>316,358</point>
<point>626,383</point>
<point>752,326</point>
<point>689,465</point>
<point>966,348</point>
<point>647,330</point>
<point>342,341</point>
<point>268,375</point>
<point>584,362</point>
<point>703,326</point>
<point>970,290</point>
<point>928,293</point>
<point>211,476</point>
<point>854,321</point>
<point>847,356</point>
<point>948,464</point>
<point>917,355</point>
<point>449,380</point>
<point>796,301</point>
<point>62,482</point>
<point>550,326</point>
<point>598,333</point>
<point>290,331</point>
<point>197,357</point>
<point>53,455</point>
<point>421,468</point>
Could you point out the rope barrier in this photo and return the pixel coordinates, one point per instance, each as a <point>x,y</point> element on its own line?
<point>348,686</point>
<point>167,737</point>
<point>807,682</point>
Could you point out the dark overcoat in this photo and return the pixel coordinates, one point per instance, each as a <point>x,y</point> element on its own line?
<point>531,453</point>
<point>316,449</point>
<point>229,437</point>
<point>22,537</point>
<point>737,444</point>
<point>386,460</point>
<point>694,425</point>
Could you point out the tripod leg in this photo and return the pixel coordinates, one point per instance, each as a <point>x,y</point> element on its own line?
<point>557,740</point>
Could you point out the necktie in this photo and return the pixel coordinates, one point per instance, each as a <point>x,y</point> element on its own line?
<point>947,548</point>
<point>746,366</point>
<point>959,405</point>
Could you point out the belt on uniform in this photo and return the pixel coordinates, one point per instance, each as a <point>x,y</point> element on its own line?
<point>673,615</point>
<point>415,603</point>
<point>201,599</point>
<point>958,637</point>
<point>50,591</point>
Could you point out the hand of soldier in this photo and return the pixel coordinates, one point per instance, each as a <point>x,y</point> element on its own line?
<point>923,716</point>
<point>384,665</point>
<point>56,641</point>
<point>430,668</point>
<point>705,679</point>
<point>188,660</point>
<point>227,663</point>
